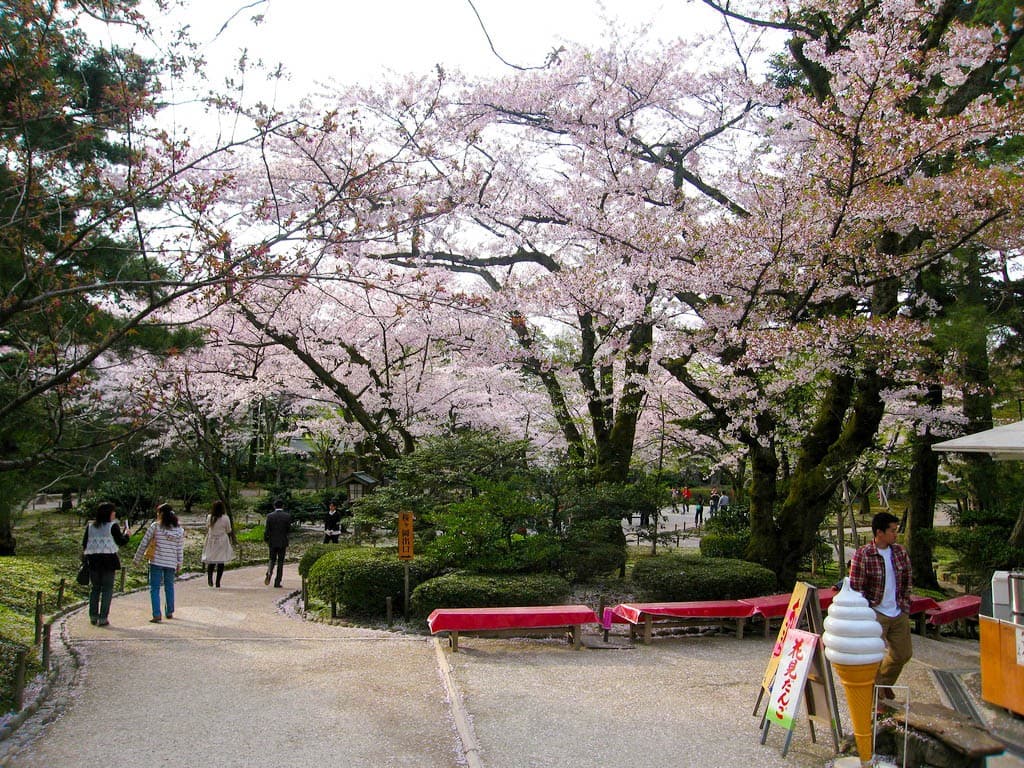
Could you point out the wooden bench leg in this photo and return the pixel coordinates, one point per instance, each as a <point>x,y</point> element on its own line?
<point>740,623</point>
<point>453,639</point>
<point>577,636</point>
<point>648,629</point>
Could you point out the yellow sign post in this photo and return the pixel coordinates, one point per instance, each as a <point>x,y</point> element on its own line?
<point>405,547</point>
<point>405,538</point>
<point>816,683</point>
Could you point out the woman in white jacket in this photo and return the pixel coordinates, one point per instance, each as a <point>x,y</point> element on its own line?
<point>219,539</point>
<point>167,558</point>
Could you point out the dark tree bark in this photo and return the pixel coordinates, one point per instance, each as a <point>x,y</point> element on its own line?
<point>920,519</point>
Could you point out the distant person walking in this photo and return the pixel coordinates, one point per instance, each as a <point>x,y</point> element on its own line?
<point>100,542</point>
<point>713,502</point>
<point>332,524</point>
<point>687,495</point>
<point>220,536</point>
<point>723,501</point>
<point>276,535</point>
<point>166,559</point>
<point>698,510</point>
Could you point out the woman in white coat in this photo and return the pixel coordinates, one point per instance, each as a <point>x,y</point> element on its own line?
<point>220,535</point>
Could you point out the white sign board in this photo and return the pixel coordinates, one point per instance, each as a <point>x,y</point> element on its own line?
<point>791,677</point>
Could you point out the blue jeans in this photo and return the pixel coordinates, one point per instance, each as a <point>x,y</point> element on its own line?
<point>100,593</point>
<point>160,575</point>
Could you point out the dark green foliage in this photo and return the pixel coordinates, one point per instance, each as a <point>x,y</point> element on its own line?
<point>461,590</point>
<point>302,507</point>
<point>369,583</point>
<point>314,553</point>
<point>982,541</point>
<point>178,477</point>
<point>730,545</point>
<point>489,531</point>
<point>537,553</point>
<point>674,577</point>
<point>614,501</point>
<point>593,549</point>
<point>327,575</point>
<point>727,533</point>
<point>735,518</point>
<point>133,495</point>
<point>361,579</point>
<point>443,470</point>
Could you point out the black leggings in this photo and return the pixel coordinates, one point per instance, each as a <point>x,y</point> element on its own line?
<point>209,572</point>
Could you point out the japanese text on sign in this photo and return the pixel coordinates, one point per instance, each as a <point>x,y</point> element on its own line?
<point>405,537</point>
<point>791,677</point>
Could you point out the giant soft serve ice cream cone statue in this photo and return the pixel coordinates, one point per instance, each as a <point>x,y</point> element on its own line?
<point>853,643</point>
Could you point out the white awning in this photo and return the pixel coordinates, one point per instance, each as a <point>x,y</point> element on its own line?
<point>1005,443</point>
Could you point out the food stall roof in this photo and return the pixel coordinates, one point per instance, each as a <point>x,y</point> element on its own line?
<point>1005,442</point>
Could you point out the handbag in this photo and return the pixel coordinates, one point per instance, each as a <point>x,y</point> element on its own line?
<point>150,548</point>
<point>82,577</point>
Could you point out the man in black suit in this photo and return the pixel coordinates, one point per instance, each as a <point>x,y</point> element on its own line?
<point>276,535</point>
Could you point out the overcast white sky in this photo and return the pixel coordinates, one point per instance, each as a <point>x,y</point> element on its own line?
<point>358,41</point>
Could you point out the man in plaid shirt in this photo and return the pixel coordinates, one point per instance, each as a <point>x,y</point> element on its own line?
<point>880,571</point>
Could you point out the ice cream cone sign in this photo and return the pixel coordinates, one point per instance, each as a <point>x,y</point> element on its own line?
<point>854,646</point>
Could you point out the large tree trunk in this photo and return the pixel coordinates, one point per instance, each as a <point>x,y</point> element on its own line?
<point>764,469</point>
<point>920,517</point>
<point>7,540</point>
<point>848,419</point>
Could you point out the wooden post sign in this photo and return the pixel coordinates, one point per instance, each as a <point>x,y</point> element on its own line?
<point>405,537</point>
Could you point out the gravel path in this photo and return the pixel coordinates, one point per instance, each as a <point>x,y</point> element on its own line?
<point>236,679</point>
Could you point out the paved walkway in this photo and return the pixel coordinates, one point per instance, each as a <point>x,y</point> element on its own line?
<point>236,679</point>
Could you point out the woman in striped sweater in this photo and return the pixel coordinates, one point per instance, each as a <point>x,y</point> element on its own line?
<point>167,558</point>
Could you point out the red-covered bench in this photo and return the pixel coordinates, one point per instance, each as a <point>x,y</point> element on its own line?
<point>961,609</point>
<point>774,606</point>
<point>515,621</point>
<point>702,613</point>
<point>771,607</point>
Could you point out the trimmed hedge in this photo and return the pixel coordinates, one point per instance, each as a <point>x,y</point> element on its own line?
<point>465,590</point>
<point>314,553</point>
<point>361,579</point>
<point>728,545</point>
<point>593,549</point>
<point>674,577</point>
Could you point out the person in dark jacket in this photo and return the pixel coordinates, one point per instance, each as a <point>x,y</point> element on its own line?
<point>100,542</point>
<point>332,524</point>
<point>276,535</point>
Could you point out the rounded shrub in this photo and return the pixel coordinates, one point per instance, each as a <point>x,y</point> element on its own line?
<point>369,583</point>
<point>730,545</point>
<point>360,580</point>
<point>314,553</point>
<point>524,554</point>
<point>674,577</point>
<point>464,590</point>
<point>594,548</point>
<point>326,577</point>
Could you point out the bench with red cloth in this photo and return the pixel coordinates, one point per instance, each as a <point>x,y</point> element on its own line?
<point>516,621</point>
<point>701,613</point>
<point>770,607</point>
<point>963,608</point>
